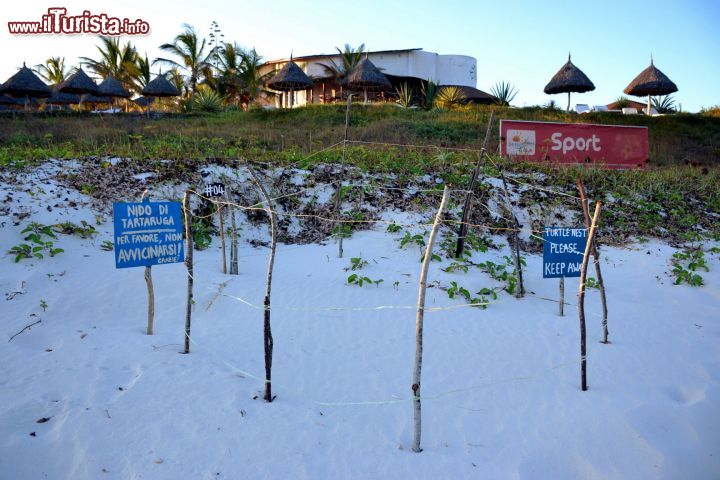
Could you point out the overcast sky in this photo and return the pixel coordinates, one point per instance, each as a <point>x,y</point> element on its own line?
<point>522,42</point>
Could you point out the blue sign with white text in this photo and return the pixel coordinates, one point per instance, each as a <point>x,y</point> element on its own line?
<point>148,233</point>
<point>563,250</point>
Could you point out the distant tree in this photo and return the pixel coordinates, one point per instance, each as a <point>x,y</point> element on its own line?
<point>191,56</point>
<point>116,60</point>
<point>349,58</point>
<point>552,105</point>
<point>53,70</point>
<point>250,63</point>
<point>142,73</point>
<point>504,93</point>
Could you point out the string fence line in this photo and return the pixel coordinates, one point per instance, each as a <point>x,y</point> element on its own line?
<point>379,402</point>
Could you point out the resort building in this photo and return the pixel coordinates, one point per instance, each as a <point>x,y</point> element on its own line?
<point>413,66</point>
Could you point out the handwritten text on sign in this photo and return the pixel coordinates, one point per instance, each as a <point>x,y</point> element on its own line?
<point>148,233</point>
<point>563,250</point>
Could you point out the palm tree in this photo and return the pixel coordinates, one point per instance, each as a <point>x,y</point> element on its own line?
<point>142,76</point>
<point>349,58</point>
<point>228,82</point>
<point>249,73</point>
<point>190,51</point>
<point>53,70</point>
<point>116,60</point>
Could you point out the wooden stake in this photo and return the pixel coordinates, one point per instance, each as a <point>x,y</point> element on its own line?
<point>234,270</point>
<point>562,296</point>
<point>515,251</point>
<point>267,332</point>
<point>596,256</point>
<point>581,297</point>
<point>189,265</point>
<point>338,192</point>
<point>419,323</point>
<point>467,208</point>
<point>150,288</point>
<point>222,237</point>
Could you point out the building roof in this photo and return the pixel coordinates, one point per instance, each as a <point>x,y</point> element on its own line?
<point>321,56</point>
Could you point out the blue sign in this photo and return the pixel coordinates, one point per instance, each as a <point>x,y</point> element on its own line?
<point>148,233</point>
<point>563,250</point>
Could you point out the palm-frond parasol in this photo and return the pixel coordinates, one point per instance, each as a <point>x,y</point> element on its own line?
<point>569,79</point>
<point>651,81</point>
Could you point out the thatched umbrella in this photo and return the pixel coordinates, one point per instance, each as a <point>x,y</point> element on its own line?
<point>25,84</point>
<point>569,79</point>
<point>366,76</point>
<point>651,81</point>
<point>159,87</point>
<point>80,84</point>
<point>112,88</point>
<point>290,78</point>
<point>58,98</point>
<point>95,100</point>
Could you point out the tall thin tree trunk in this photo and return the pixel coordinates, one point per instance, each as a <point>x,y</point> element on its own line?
<point>267,331</point>
<point>417,415</point>
<point>581,298</point>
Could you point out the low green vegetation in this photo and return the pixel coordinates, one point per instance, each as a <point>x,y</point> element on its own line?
<point>40,243</point>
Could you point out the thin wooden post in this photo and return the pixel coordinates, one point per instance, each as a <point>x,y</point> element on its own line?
<point>419,323</point>
<point>581,297</point>
<point>189,265</point>
<point>234,270</point>
<point>267,331</point>
<point>222,237</point>
<point>149,283</point>
<point>467,208</point>
<point>515,250</point>
<point>562,296</point>
<point>338,192</point>
<point>596,257</point>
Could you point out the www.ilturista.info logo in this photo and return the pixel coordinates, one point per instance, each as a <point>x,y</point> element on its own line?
<point>58,21</point>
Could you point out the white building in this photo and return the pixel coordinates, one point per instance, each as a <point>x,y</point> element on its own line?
<point>412,66</point>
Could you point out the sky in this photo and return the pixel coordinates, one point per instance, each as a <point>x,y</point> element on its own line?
<point>523,42</point>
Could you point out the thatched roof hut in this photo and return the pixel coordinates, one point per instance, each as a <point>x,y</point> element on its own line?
<point>569,79</point>
<point>366,76</point>
<point>651,81</point>
<point>79,83</point>
<point>25,84</point>
<point>112,88</point>
<point>289,78</point>
<point>160,87</point>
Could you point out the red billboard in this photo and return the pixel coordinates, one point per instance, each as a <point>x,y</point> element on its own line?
<point>603,146</point>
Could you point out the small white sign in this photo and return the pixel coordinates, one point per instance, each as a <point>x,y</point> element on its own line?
<point>520,142</point>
